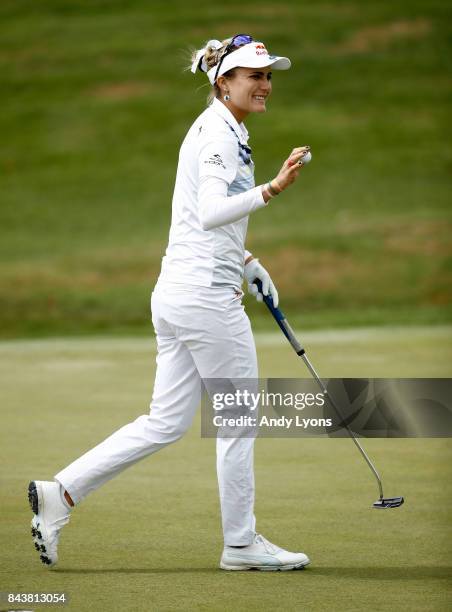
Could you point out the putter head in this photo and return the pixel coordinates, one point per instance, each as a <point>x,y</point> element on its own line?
<point>389,502</point>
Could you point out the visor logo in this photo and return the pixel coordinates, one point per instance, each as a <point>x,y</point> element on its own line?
<point>261,50</point>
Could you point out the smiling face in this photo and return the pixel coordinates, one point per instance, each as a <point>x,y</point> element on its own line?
<point>248,89</point>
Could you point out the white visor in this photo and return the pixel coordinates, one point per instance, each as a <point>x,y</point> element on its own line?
<point>252,55</point>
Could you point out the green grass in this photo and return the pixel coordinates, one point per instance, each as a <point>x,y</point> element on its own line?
<point>95,105</point>
<point>151,539</point>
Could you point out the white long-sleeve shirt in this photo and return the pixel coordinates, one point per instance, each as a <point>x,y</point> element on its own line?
<point>213,196</point>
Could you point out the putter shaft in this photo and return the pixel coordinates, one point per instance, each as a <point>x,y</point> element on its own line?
<point>344,424</point>
<point>297,347</point>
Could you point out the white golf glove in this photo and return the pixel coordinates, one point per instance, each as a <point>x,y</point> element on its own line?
<point>253,269</point>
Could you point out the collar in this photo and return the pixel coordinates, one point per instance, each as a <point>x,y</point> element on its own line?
<point>239,128</point>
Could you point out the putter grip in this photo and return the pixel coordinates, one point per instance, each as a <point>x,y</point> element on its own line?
<point>279,317</point>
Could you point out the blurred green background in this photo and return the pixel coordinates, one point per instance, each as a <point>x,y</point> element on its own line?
<point>95,104</point>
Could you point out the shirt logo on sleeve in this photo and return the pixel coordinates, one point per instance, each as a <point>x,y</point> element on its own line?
<point>215,160</point>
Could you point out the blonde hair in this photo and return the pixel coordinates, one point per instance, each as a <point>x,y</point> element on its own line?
<point>211,57</point>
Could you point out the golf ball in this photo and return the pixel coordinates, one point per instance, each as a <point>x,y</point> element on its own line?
<point>306,158</point>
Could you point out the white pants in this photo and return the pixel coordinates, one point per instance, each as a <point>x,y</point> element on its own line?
<point>201,333</point>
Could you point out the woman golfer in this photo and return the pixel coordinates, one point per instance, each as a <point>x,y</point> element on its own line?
<point>201,327</point>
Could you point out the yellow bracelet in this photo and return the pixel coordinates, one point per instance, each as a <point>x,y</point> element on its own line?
<point>278,185</point>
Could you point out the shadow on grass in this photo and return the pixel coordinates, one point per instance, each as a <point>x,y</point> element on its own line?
<point>418,572</point>
<point>139,570</point>
<point>364,573</point>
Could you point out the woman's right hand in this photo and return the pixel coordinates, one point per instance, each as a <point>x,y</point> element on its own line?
<point>290,169</point>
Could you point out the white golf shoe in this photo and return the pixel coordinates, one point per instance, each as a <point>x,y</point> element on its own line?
<point>51,514</point>
<point>261,555</point>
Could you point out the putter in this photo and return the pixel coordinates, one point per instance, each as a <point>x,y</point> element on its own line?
<point>383,502</point>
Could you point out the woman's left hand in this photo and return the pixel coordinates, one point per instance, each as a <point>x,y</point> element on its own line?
<point>253,270</point>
